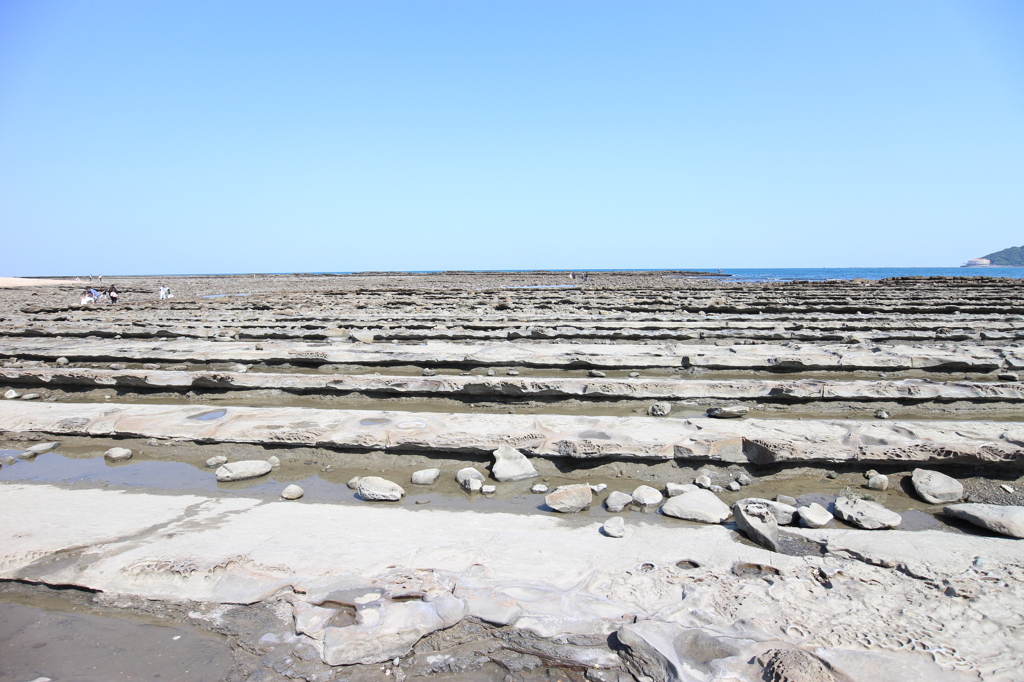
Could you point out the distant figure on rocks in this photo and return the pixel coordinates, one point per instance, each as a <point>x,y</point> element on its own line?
<point>86,297</point>
<point>586,276</point>
<point>112,293</point>
<point>163,293</point>
<point>572,275</point>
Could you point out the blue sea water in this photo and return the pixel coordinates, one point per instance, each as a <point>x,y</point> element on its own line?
<point>822,274</point>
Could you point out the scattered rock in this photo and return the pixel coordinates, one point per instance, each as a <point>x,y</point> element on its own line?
<point>40,448</point>
<point>599,488</point>
<point>292,492</point>
<point>702,481</point>
<point>8,461</point>
<point>117,454</point>
<point>1006,520</point>
<point>758,523</point>
<point>375,488</point>
<point>30,396</point>
<point>673,489</point>
<point>353,482</point>
<point>539,488</point>
<point>743,479</point>
<point>730,412</point>
<point>511,465</point>
<point>1008,376</point>
<point>569,499</point>
<point>62,361</point>
<point>784,513</point>
<point>716,489</point>
<point>11,394</point>
<point>634,375</point>
<point>239,471</point>
<point>427,372</point>
<point>935,487</point>
<point>878,482</point>
<point>617,501</point>
<point>866,514</point>
<point>646,496</point>
<point>697,505</point>
<point>490,372</point>
<point>733,486</point>
<point>488,489</point>
<point>881,414</point>
<point>597,373</point>
<point>470,479</point>
<point>274,461</point>
<point>512,372</point>
<point>814,515</point>
<point>362,337</point>
<point>425,476</point>
<point>118,366</point>
<point>614,527</point>
<point>389,633</point>
<point>1007,488</point>
<point>659,409</point>
<point>786,499</point>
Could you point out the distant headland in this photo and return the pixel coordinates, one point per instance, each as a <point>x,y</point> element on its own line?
<point>1012,257</point>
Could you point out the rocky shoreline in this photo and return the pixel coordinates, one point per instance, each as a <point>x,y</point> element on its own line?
<point>517,476</point>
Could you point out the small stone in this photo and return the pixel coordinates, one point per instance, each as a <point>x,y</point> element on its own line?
<point>697,505</point>
<point>716,489</point>
<point>1008,376</point>
<point>425,476</point>
<point>539,489</point>
<point>150,366</point>
<point>488,489</point>
<point>40,448</point>
<point>8,461</point>
<point>814,515</point>
<point>117,454</point>
<point>599,488</point>
<point>362,337</point>
<point>1006,520</point>
<point>786,499</point>
<point>118,366</point>
<point>597,373</point>
<point>673,489</point>
<point>490,372</point>
<point>743,479</point>
<point>217,461</point>
<point>831,474</point>
<point>646,496</point>
<point>659,409</point>
<point>470,479</point>
<point>11,394</point>
<point>935,487</point>
<point>730,412</point>
<point>733,486</point>
<point>703,481</point>
<point>881,414</point>
<point>427,372</point>
<point>614,527</point>
<point>634,375</point>
<point>1007,488</point>
<point>512,372</point>
<point>375,488</point>
<point>617,501</point>
<point>511,465</point>
<point>292,492</point>
<point>878,482</point>
<point>866,514</point>
<point>422,501</point>
<point>274,461</point>
<point>570,499</point>
<point>62,361</point>
<point>239,471</point>
<point>784,513</point>
<point>30,396</point>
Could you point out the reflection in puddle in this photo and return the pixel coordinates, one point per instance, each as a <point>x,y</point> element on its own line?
<point>207,416</point>
<point>374,421</point>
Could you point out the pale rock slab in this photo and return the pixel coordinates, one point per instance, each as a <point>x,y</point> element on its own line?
<point>814,515</point>
<point>470,479</point>
<point>697,505</point>
<point>866,514</point>
<point>614,527</point>
<point>1007,520</point>
<point>375,488</point>
<point>216,461</point>
<point>783,513</point>
<point>240,471</point>
<point>117,454</point>
<point>646,496</point>
<point>399,627</point>
<point>617,501</point>
<point>425,476</point>
<point>570,499</point>
<point>730,412</point>
<point>40,448</point>
<point>511,465</point>
<point>673,489</point>
<point>757,521</point>
<point>936,487</point>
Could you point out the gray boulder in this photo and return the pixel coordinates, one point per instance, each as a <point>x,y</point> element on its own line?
<point>659,409</point>
<point>646,496</point>
<point>239,471</point>
<point>614,527</point>
<point>117,454</point>
<point>786,499</point>
<point>470,479</point>
<point>878,482</point>
<point>375,488</point>
<point>866,514</point>
<point>697,505</point>
<point>935,487</point>
<point>570,499</point>
<point>425,476</point>
<point>1006,520</point>
<point>511,465</point>
<point>730,412</point>
<point>783,513</point>
<point>216,461</point>
<point>292,492</point>
<point>703,481</point>
<point>757,521</point>
<point>814,515</point>
<point>617,501</point>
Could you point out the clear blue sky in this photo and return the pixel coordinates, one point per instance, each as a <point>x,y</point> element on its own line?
<point>189,137</point>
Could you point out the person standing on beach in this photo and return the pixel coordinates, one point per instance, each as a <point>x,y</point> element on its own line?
<point>112,293</point>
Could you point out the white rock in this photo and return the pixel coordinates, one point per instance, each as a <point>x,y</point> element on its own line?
<point>11,394</point>
<point>391,635</point>
<point>743,479</point>
<point>426,476</point>
<point>614,527</point>
<point>539,488</point>
<point>716,489</point>
<point>757,521</point>
<point>878,482</point>
<point>470,479</point>
<point>730,412</point>
<point>783,513</point>
<point>215,462</point>
<point>363,337</point>
<point>866,514</point>
<point>814,515</point>
<point>292,492</point>
<point>117,454</point>
<point>702,481</point>
<point>646,496</point>
<point>617,501</point>
<point>786,499</point>
<point>239,471</point>
<point>511,465</point>
<point>488,489</point>
<point>30,396</point>
<point>375,488</point>
<point>935,487</point>
<point>40,448</point>
<point>659,409</point>
<point>1007,520</point>
<point>274,461</point>
<point>697,505</point>
<point>353,482</point>
<point>1007,488</point>
<point>733,486</point>
<point>569,499</point>
<point>673,489</point>
<point>62,361</point>
<point>601,487</point>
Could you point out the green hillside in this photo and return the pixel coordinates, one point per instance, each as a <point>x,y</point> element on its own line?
<point>1011,256</point>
